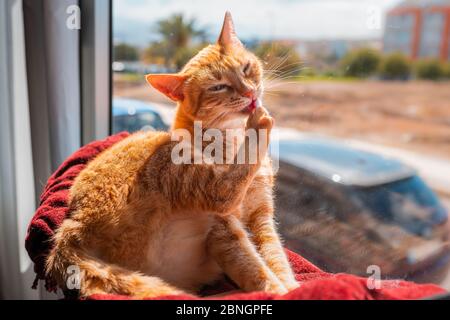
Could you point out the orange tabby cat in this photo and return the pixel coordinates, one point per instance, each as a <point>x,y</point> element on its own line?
<point>143,226</point>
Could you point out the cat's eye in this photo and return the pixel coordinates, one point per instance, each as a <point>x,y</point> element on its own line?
<point>218,87</point>
<point>246,68</point>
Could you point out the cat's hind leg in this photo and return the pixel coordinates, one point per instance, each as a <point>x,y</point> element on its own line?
<point>94,275</point>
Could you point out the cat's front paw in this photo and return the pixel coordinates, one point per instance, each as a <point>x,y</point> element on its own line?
<point>275,286</point>
<point>262,123</point>
<point>288,280</point>
<point>260,119</point>
<point>292,285</point>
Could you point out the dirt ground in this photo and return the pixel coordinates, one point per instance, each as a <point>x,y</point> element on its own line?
<point>413,115</point>
<point>410,115</point>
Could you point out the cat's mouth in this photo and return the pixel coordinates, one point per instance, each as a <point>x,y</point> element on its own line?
<point>251,106</point>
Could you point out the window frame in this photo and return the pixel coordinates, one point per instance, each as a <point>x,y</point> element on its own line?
<point>95,69</point>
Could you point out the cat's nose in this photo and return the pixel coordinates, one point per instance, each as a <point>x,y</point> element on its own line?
<point>249,94</point>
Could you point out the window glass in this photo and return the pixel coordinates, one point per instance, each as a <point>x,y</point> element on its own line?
<point>364,177</point>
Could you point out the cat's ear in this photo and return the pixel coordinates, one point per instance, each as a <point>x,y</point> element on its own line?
<point>169,84</point>
<point>228,38</point>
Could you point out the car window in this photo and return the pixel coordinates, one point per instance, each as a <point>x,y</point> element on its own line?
<point>138,121</point>
<point>409,202</point>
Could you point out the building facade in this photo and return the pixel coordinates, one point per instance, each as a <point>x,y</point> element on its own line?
<point>419,29</point>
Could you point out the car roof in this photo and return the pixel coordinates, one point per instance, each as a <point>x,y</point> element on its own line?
<point>338,162</point>
<point>124,106</point>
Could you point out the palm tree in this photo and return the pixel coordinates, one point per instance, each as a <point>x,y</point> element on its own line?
<point>179,31</point>
<point>177,41</point>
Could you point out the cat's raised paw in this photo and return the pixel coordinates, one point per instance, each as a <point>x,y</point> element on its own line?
<point>260,119</point>
<point>265,122</point>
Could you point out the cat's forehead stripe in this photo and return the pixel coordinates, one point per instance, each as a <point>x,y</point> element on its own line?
<point>212,58</point>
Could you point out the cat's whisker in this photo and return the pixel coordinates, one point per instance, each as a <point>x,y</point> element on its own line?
<point>289,72</point>
<point>280,61</point>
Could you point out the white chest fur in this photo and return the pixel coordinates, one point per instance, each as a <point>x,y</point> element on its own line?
<point>177,252</point>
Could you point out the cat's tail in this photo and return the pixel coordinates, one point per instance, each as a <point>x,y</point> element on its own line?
<point>74,269</point>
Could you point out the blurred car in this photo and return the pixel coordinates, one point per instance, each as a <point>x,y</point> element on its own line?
<point>134,115</point>
<point>346,209</point>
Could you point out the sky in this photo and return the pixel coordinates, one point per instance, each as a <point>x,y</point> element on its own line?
<point>263,19</point>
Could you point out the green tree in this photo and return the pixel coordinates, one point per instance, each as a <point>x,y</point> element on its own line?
<point>180,40</point>
<point>360,63</point>
<point>183,55</point>
<point>430,69</point>
<point>279,59</point>
<point>395,66</point>
<point>125,52</point>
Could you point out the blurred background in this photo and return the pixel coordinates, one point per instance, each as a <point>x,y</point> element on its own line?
<point>360,90</point>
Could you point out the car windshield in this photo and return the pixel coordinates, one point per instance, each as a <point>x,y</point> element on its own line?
<point>408,202</point>
<point>349,166</point>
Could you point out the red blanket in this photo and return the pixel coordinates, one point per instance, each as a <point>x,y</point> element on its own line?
<point>315,283</point>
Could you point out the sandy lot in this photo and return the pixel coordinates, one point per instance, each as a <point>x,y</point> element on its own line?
<point>410,115</point>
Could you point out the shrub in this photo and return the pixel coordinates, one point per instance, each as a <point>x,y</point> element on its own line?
<point>125,52</point>
<point>360,63</point>
<point>330,74</point>
<point>431,69</point>
<point>447,71</point>
<point>308,72</point>
<point>395,66</point>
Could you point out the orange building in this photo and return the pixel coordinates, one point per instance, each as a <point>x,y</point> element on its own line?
<point>419,29</point>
